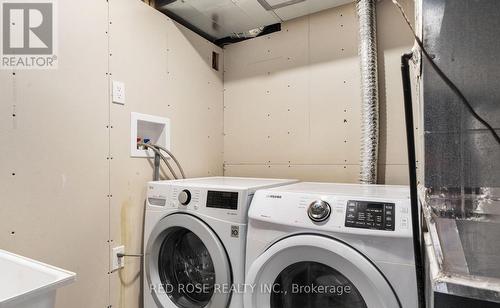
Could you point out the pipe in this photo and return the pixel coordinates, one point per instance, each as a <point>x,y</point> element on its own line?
<point>156,172</point>
<point>156,151</point>
<point>365,10</point>
<point>412,168</point>
<point>173,158</point>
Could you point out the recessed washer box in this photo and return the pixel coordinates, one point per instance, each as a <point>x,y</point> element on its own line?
<point>145,126</point>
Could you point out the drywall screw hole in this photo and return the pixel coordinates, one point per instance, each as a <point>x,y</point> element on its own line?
<point>13,174</point>
<point>13,114</point>
<point>14,74</point>
<point>13,233</point>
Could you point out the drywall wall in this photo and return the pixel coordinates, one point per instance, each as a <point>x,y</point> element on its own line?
<point>292,99</point>
<point>68,187</point>
<point>167,72</point>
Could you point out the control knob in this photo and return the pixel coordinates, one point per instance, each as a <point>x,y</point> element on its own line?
<point>319,211</point>
<point>184,197</point>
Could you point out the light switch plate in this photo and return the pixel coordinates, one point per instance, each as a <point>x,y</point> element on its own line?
<point>118,92</point>
<point>117,263</point>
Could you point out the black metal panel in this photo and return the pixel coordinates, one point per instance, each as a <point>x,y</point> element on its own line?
<point>464,37</point>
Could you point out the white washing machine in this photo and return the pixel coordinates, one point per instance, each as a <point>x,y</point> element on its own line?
<point>318,245</point>
<point>194,236</point>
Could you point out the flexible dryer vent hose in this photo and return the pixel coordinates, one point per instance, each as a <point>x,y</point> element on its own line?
<point>365,10</point>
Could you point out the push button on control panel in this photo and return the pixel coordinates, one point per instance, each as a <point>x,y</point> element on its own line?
<point>370,215</point>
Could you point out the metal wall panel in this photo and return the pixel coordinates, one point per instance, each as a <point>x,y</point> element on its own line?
<point>462,35</point>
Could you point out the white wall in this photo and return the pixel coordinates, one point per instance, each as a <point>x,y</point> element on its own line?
<point>292,99</point>
<point>65,129</point>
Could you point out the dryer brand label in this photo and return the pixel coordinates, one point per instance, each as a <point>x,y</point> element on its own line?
<point>274,196</point>
<point>235,231</point>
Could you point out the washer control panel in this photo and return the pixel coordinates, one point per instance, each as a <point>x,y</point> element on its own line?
<point>370,215</point>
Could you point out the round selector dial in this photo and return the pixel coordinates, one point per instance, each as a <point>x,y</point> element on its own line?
<point>184,197</point>
<point>319,211</point>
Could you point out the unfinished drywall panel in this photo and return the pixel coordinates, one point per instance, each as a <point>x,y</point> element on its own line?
<point>167,72</point>
<point>54,172</point>
<point>293,97</point>
<point>394,39</point>
<point>312,173</point>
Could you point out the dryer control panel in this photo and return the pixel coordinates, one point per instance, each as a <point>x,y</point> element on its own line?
<point>370,215</point>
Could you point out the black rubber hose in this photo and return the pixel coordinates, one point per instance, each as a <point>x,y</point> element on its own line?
<point>412,168</point>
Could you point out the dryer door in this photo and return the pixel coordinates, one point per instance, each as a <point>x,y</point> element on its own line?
<point>185,262</point>
<point>314,271</point>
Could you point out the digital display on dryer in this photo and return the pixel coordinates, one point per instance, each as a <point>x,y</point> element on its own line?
<point>370,215</point>
<point>222,200</point>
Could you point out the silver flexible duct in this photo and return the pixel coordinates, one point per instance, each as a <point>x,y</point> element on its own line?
<point>365,10</point>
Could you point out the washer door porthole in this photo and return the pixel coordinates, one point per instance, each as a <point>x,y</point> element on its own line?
<point>313,284</point>
<point>184,262</point>
<point>185,266</point>
<point>316,271</point>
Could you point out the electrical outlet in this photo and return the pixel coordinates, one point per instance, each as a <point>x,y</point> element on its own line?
<point>117,263</point>
<point>118,92</point>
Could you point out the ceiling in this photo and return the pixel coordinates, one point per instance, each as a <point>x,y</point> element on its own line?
<point>217,19</point>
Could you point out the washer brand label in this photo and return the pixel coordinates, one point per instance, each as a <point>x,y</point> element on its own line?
<point>235,231</point>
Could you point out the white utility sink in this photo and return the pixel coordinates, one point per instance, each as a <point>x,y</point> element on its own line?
<point>26,283</point>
